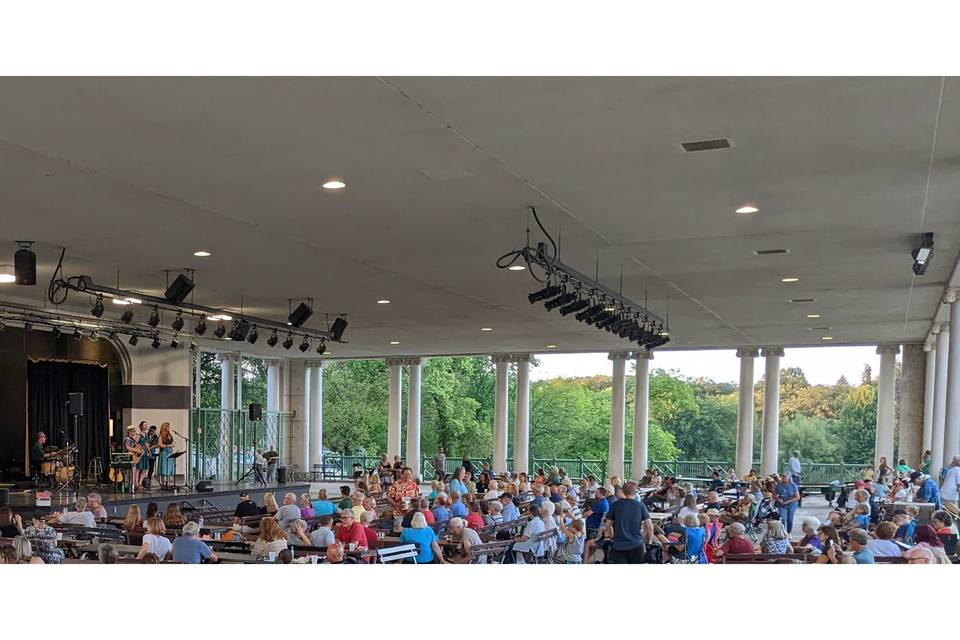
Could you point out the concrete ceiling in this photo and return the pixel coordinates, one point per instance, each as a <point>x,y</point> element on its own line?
<point>134,174</point>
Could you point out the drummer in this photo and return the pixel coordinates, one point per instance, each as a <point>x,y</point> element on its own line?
<point>37,453</point>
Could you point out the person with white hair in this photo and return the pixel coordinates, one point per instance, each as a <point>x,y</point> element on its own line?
<point>921,554</point>
<point>524,542</point>
<point>80,516</point>
<point>810,539</point>
<point>776,539</point>
<point>493,491</point>
<point>419,534</point>
<point>189,549</point>
<point>289,513</point>
<point>547,511</point>
<point>467,538</point>
<point>95,506</point>
<point>736,542</point>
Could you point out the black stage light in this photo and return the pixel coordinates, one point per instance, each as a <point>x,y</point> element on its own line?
<point>300,315</point>
<point>25,264</point>
<point>560,300</point>
<point>134,339</point>
<point>607,322</point>
<point>597,318</point>
<point>589,313</point>
<point>97,309</point>
<point>201,327</point>
<point>156,341</point>
<point>253,335</point>
<point>544,294</point>
<point>339,326</point>
<point>179,290</point>
<point>220,331</point>
<point>322,347</point>
<point>239,330</point>
<point>272,340</point>
<point>77,334</point>
<point>56,332</point>
<point>573,306</point>
<point>175,343</point>
<point>27,326</point>
<point>177,323</point>
<point>288,342</point>
<point>659,341</point>
<point>154,317</point>
<point>127,316</point>
<point>305,344</point>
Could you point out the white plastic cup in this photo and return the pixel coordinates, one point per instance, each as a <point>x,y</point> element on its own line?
<point>59,536</point>
<point>353,546</point>
<point>314,559</point>
<point>272,556</point>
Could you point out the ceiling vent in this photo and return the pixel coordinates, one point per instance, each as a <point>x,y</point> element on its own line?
<point>802,300</point>
<point>771,252</point>
<point>820,328</point>
<point>707,145</point>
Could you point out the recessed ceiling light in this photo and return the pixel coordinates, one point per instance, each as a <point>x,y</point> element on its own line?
<point>220,317</point>
<point>790,279</point>
<point>516,267</point>
<point>827,338</point>
<point>202,254</point>
<point>394,342</point>
<point>609,308</point>
<point>486,328</point>
<point>551,346</point>
<point>7,274</point>
<point>748,207</point>
<point>333,184</point>
<point>813,316</point>
<point>383,302</point>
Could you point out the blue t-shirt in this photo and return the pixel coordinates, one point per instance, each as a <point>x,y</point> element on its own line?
<point>627,517</point>
<point>863,521</point>
<point>424,539</point>
<point>599,508</point>
<point>459,487</point>
<point>459,510</point>
<point>441,514</point>
<point>323,508</point>
<point>786,491</point>
<point>190,550</point>
<point>864,556</point>
<point>929,492</point>
<point>510,512</point>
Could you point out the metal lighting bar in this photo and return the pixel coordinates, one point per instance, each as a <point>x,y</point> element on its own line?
<point>89,286</point>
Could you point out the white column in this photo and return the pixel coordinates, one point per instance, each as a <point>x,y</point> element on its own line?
<point>770,438</point>
<point>303,460</point>
<point>951,427</point>
<point>228,388</point>
<point>886,393</point>
<point>745,411</point>
<point>316,413</point>
<point>501,405</point>
<point>929,383</point>
<point>939,401</point>
<point>414,371</point>
<point>273,385</point>
<point>618,398</point>
<point>394,402</point>
<point>641,415</point>
<point>521,435</point>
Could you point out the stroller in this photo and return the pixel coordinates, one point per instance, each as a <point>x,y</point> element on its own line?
<point>757,524</point>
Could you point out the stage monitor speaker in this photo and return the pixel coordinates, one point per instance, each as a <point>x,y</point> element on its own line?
<point>300,315</point>
<point>179,290</point>
<point>204,486</point>
<point>75,405</point>
<point>256,411</point>
<point>339,326</point>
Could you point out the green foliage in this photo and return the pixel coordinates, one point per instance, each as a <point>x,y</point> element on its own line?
<point>811,436</point>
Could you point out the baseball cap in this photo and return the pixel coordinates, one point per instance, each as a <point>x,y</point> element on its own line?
<point>244,494</point>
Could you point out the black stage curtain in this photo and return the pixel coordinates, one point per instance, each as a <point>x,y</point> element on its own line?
<point>48,386</point>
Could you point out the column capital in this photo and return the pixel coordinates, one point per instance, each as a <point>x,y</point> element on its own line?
<point>394,362</point>
<point>772,351</point>
<point>618,355</point>
<point>313,364</point>
<point>643,354</point>
<point>950,296</point>
<point>520,357</point>
<point>927,347</point>
<point>501,358</point>
<point>412,361</point>
<point>748,352</point>
<point>273,362</point>
<point>888,349</point>
<point>229,356</point>
<point>944,327</point>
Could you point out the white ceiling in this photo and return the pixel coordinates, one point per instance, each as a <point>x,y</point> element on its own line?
<point>136,173</point>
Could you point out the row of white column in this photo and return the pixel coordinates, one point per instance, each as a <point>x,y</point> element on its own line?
<point>414,368</point>
<point>501,412</point>
<point>941,426</point>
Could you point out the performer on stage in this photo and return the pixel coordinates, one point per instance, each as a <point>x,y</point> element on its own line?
<point>273,458</point>
<point>143,467</point>
<point>37,454</point>
<point>167,467</point>
<point>153,452</point>
<point>131,444</point>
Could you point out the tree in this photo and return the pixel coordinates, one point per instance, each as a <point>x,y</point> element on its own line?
<point>855,431</point>
<point>811,437</point>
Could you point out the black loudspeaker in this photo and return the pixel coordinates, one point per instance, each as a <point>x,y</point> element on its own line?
<point>300,315</point>
<point>256,411</point>
<point>75,406</point>
<point>25,266</point>
<point>179,290</point>
<point>339,326</point>
<point>204,486</point>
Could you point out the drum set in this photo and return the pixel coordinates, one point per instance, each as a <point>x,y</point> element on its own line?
<point>59,467</point>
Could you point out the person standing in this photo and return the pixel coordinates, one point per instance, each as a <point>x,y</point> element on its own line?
<point>629,524</point>
<point>950,488</point>
<point>166,467</point>
<point>788,498</point>
<point>928,491</point>
<point>795,467</point>
<point>272,458</point>
<point>153,452</point>
<point>440,464</point>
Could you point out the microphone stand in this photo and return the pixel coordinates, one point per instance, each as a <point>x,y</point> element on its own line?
<point>187,482</point>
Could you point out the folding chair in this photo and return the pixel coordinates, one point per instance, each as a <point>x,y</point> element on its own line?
<point>398,553</point>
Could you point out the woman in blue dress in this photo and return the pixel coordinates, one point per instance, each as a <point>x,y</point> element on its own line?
<point>166,467</point>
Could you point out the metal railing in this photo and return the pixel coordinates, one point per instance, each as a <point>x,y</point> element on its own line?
<point>223,443</point>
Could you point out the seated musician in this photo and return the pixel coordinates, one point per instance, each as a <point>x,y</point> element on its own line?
<point>38,453</point>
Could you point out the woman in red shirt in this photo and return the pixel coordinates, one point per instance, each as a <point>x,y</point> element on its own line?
<point>475,517</point>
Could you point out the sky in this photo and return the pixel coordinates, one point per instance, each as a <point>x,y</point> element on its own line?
<point>822,365</point>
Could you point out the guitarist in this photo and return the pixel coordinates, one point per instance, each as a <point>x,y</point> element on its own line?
<point>131,444</point>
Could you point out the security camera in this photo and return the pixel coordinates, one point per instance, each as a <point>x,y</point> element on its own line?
<point>923,254</point>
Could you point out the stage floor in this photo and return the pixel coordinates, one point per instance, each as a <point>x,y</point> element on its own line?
<point>224,494</point>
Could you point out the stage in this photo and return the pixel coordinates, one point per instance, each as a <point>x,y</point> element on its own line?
<point>224,495</point>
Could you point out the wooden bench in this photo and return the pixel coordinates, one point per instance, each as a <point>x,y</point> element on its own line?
<point>765,558</point>
<point>492,552</point>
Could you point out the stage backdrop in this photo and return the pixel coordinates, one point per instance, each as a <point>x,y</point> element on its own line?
<point>48,386</point>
